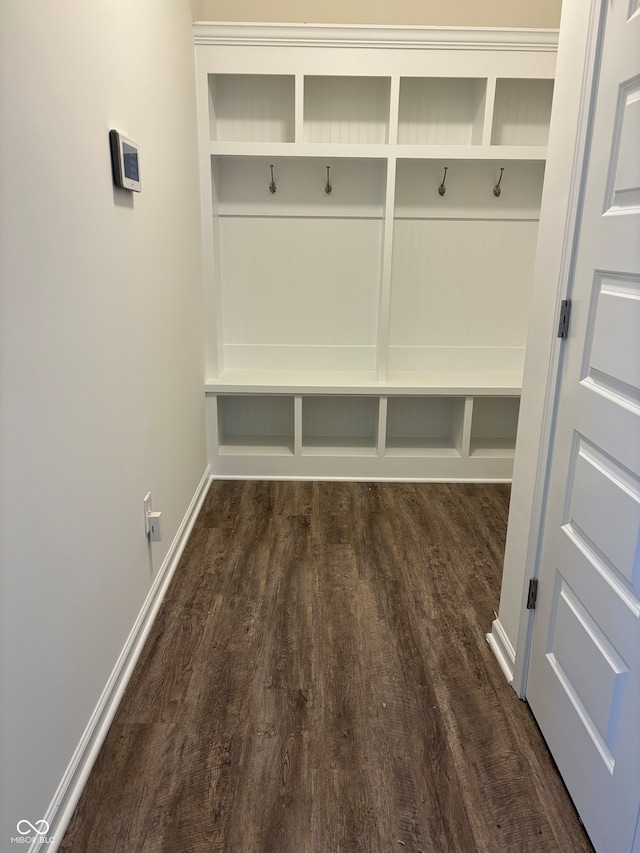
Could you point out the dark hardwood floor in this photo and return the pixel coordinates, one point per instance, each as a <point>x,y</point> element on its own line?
<point>318,681</point>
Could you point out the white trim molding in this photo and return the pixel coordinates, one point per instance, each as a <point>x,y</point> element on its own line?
<point>66,797</point>
<point>375,36</point>
<point>561,200</point>
<point>502,649</point>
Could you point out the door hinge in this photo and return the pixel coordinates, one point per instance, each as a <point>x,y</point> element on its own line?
<point>563,322</point>
<point>532,594</point>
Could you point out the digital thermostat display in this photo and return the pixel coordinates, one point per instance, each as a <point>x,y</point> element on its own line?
<point>130,158</point>
<point>125,161</point>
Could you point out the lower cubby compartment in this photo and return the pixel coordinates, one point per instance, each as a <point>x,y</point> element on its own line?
<point>424,426</point>
<point>255,424</point>
<point>494,426</point>
<point>339,425</point>
<point>356,435</point>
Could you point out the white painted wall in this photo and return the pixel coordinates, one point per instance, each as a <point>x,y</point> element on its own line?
<point>467,13</point>
<point>101,357</point>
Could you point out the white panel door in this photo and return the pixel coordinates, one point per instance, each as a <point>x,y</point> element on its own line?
<point>584,677</point>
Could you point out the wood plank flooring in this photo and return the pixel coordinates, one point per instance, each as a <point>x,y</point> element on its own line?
<point>318,681</point>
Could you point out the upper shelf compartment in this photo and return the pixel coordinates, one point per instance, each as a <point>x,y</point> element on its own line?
<point>522,112</point>
<point>346,109</point>
<point>441,111</point>
<point>251,107</point>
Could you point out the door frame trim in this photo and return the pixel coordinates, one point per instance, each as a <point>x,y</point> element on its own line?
<point>569,143</point>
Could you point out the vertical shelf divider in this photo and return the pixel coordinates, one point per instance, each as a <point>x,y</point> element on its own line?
<point>382,425</point>
<point>465,447</point>
<point>209,220</point>
<point>214,300</point>
<point>213,422</point>
<point>297,425</point>
<point>394,109</point>
<point>387,239</point>
<point>489,105</point>
<point>298,114</point>
<point>384,300</point>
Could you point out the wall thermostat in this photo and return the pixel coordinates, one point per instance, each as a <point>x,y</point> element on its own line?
<point>125,161</point>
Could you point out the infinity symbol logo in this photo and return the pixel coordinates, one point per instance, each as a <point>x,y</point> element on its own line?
<point>41,827</point>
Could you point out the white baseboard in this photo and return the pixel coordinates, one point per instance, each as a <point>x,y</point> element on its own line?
<point>502,649</point>
<point>66,798</point>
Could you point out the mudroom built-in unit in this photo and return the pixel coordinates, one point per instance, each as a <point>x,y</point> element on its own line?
<point>370,203</point>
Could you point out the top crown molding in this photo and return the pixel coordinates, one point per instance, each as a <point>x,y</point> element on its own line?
<point>375,36</point>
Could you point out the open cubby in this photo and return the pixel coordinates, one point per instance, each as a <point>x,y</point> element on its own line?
<point>255,424</point>
<point>242,186</point>
<point>346,109</point>
<point>468,189</point>
<point>494,426</point>
<point>251,107</point>
<point>522,112</point>
<point>339,425</point>
<point>441,111</point>
<point>424,426</point>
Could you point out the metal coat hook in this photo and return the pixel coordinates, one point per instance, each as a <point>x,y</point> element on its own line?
<point>442,189</point>
<point>328,186</point>
<point>272,185</point>
<point>496,189</point>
